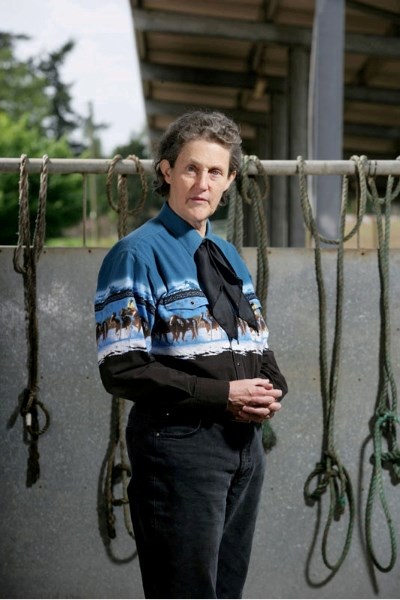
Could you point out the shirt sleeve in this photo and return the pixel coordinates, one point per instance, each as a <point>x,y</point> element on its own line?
<point>271,371</point>
<point>125,315</point>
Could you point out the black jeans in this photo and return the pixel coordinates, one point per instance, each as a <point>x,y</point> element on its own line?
<point>194,495</point>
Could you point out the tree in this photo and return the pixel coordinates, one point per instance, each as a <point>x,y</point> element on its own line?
<point>64,205</point>
<point>35,87</point>
<point>61,120</point>
<point>36,119</point>
<point>22,87</point>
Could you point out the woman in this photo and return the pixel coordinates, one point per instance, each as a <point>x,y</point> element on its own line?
<point>182,335</point>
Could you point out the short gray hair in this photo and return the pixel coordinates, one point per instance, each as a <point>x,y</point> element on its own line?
<point>212,126</point>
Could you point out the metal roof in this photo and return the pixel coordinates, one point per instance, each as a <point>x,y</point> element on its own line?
<point>233,55</point>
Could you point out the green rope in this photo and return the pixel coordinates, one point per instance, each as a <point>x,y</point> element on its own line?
<point>247,189</point>
<point>329,471</point>
<point>385,418</point>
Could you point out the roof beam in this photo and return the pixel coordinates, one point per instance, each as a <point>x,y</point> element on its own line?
<point>167,22</point>
<point>258,119</point>
<point>375,95</point>
<point>156,107</point>
<point>198,76</point>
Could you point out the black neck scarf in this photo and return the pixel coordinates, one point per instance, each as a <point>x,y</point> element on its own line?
<point>223,289</point>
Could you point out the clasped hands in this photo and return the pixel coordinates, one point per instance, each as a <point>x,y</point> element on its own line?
<point>253,400</point>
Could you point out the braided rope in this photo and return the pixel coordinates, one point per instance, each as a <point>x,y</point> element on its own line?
<point>25,258</point>
<point>122,188</point>
<point>385,419</point>
<point>329,471</point>
<point>247,189</point>
<point>119,472</point>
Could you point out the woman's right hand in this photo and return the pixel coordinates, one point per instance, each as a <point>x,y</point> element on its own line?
<point>253,400</point>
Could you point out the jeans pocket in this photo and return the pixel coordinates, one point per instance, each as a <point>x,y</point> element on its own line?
<point>179,430</point>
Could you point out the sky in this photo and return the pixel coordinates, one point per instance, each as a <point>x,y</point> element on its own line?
<point>103,67</point>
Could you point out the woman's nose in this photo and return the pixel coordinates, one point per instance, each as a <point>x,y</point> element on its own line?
<point>202,179</point>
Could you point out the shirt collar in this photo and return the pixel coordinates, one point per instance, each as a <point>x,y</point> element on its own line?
<point>181,229</point>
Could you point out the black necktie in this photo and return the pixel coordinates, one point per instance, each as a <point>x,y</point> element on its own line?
<point>223,289</point>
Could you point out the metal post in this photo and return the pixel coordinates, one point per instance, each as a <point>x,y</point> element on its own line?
<point>326,108</point>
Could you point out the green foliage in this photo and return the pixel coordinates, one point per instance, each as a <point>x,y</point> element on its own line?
<point>61,120</point>
<point>34,87</point>
<point>22,88</point>
<point>36,118</point>
<point>64,199</point>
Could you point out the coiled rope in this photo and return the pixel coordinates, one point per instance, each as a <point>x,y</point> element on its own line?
<point>254,191</point>
<point>330,471</point>
<point>385,419</point>
<point>122,208</point>
<point>248,189</point>
<point>118,469</point>
<point>26,255</point>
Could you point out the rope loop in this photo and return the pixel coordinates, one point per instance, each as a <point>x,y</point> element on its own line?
<point>122,208</point>
<point>24,238</point>
<point>246,181</point>
<point>40,225</point>
<point>26,255</point>
<point>32,425</point>
<point>117,473</point>
<point>385,418</point>
<point>330,472</point>
<point>247,190</point>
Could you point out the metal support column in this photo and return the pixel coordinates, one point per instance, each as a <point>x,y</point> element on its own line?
<point>278,215</point>
<point>326,108</point>
<point>298,125</point>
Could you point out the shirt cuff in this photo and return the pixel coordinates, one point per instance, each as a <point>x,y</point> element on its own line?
<point>211,393</point>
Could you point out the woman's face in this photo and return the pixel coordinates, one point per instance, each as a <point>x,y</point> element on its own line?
<point>197,181</point>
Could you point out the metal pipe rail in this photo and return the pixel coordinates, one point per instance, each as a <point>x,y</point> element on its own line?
<point>128,167</point>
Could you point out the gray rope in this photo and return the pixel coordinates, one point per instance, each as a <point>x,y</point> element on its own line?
<point>26,255</point>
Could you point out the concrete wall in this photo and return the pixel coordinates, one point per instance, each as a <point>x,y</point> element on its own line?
<point>52,534</point>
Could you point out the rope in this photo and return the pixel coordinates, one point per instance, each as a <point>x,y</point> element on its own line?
<point>25,258</point>
<point>117,472</point>
<point>247,189</point>
<point>329,471</point>
<point>385,419</point>
<point>120,471</point>
<point>122,187</point>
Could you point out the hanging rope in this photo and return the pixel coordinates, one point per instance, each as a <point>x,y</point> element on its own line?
<point>385,419</point>
<point>26,255</point>
<point>122,188</point>
<point>118,470</point>
<point>330,472</point>
<point>247,189</point>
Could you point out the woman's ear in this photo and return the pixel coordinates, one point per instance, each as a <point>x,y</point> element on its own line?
<point>165,169</point>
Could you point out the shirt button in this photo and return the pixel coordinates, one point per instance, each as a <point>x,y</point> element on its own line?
<point>238,364</point>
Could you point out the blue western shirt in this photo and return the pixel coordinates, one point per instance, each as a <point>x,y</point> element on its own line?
<point>158,344</point>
